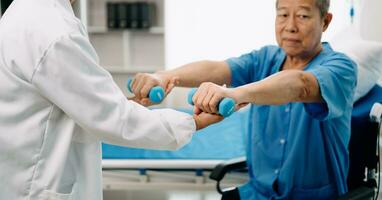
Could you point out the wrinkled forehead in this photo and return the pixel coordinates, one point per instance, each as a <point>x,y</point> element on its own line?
<point>304,4</point>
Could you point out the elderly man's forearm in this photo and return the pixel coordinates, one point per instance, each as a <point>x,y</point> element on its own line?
<point>281,88</point>
<point>193,74</point>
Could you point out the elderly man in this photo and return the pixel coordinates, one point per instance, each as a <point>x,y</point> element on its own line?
<point>301,95</point>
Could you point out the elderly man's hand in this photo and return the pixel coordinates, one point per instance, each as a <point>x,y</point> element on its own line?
<point>202,120</point>
<point>143,82</point>
<point>208,96</point>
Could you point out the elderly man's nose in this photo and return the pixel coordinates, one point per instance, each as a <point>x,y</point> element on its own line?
<point>291,25</point>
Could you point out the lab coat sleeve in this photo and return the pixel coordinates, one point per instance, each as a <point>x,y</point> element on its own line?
<point>69,76</point>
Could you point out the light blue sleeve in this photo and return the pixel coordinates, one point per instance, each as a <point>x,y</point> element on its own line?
<point>254,66</point>
<point>337,79</point>
<point>242,68</point>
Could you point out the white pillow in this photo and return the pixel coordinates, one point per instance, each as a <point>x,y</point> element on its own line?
<point>367,55</point>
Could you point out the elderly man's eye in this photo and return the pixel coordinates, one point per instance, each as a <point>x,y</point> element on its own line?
<point>283,15</point>
<point>303,16</point>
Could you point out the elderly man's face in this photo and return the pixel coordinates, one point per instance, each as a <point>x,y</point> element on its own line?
<point>299,26</point>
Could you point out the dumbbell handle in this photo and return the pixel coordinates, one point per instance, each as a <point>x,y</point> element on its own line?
<point>156,94</point>
<point>225,107</point>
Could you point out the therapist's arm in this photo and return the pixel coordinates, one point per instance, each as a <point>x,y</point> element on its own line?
<point>203,119</point>
<point>69,77</point>
<point>189,75</point>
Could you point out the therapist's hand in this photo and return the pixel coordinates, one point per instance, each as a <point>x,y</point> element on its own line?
<point>143,82</point>
<point>203,119</point>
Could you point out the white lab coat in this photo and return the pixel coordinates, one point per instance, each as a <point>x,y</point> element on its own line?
<point>57,105</point>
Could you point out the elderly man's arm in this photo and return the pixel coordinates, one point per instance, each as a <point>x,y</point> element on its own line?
<point>280,88</point>
<point>193,74</point>
<point>189,75</point>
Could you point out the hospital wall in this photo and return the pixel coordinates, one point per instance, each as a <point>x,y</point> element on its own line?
<point>220,29</point>
<point>371,19</point>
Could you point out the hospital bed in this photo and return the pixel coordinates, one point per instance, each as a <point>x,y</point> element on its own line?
<point>363,152</point>
<point>186,169</point>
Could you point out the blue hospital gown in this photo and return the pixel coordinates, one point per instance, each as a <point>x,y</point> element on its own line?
<point>298,150</point>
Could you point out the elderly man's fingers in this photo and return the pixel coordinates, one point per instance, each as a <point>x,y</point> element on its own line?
<point>144,91</point>
<point>199,97</point>
<point>206,102</point>
<point>174,81</point>
<point>142,84</point>
<point>214,103</point>
<point>137,85</point>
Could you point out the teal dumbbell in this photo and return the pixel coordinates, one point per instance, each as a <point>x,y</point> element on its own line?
<point>225,107</point>
<point>156,94</point>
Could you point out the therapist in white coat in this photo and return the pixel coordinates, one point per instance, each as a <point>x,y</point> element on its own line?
<point>57,104</point>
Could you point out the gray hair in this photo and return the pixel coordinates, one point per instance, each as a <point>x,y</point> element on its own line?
<point>322,5</point>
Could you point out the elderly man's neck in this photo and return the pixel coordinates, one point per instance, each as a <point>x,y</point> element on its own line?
<point>301,61</point>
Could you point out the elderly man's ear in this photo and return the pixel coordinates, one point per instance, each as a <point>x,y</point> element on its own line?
<point>327,19</point>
